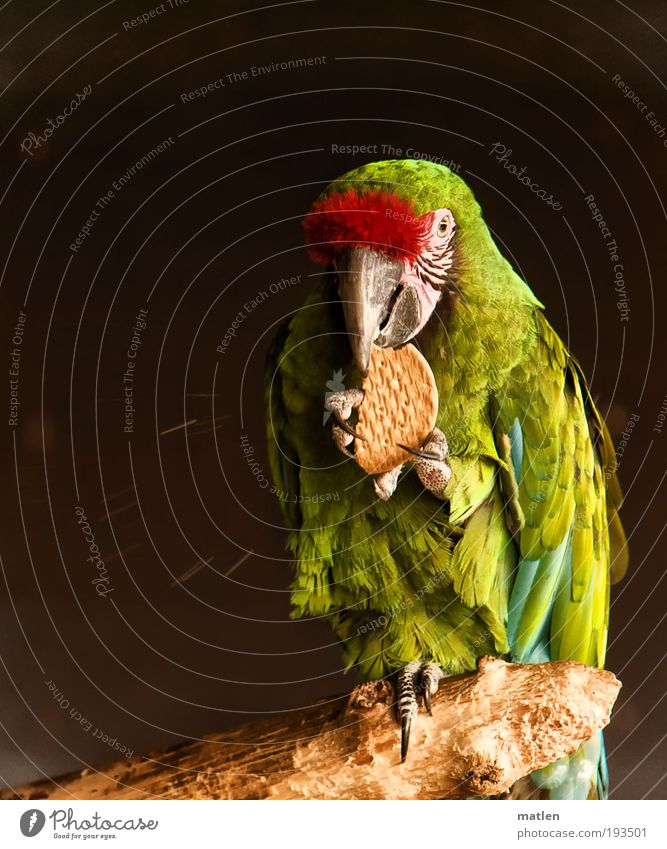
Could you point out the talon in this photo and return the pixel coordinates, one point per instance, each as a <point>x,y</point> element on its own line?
<point>406,725</point>
<point>430,679</point>
<point>346,427</point>
<point>421,454</point>
<point>434,448</point>
<point>341,404</point>
<point>342,440</point>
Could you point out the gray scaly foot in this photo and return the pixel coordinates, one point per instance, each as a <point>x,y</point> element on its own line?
<point>413,680</point>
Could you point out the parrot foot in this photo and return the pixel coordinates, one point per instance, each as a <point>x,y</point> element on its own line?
<point>340,405</point>
<point>386,483</point>
<point>431,464</point>
<point>413,680</point>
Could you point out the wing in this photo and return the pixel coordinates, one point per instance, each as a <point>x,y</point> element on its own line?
<point>563,460</point>
<point>283,456</point>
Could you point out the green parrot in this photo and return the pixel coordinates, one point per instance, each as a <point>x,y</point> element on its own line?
<point>501,536</point>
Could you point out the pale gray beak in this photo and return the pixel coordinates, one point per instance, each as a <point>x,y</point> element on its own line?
<point>368,283</point>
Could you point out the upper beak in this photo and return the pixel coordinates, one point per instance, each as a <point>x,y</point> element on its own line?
<point>367,280</point>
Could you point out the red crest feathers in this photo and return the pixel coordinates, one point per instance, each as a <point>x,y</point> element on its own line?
<point>374,219</point>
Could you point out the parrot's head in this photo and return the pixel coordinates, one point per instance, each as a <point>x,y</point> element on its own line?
<point>408,243</point>
<point>397,233</point>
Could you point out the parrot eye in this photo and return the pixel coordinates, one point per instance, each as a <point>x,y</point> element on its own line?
<point>442,227</point>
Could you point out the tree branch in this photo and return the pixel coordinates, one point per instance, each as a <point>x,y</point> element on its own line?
<point>488,729</point>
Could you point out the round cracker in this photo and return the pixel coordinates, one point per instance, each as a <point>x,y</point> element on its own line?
<point>400,406</point>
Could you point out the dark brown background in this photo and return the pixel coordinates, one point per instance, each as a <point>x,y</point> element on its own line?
<point>213,221</point>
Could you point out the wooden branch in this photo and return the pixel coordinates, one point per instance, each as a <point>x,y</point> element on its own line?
<point>488,730</point>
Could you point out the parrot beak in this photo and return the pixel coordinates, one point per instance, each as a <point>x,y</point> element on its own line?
<point>367,283</point>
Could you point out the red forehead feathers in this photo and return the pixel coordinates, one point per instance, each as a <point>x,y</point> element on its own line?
<point>350,219</point>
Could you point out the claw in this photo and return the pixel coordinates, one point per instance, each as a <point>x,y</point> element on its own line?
<point>346,427</point>
<point>423,455</point>
<point>342,440</point>
<point>431,674</point>
<point>341,404</point>
<point>406,725</point>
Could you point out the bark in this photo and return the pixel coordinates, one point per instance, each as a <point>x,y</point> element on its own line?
<point>488,730</point>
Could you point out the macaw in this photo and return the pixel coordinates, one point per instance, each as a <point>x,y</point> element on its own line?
<point>502,535</point>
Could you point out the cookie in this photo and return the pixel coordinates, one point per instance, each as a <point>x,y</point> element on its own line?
<point>400,406</point>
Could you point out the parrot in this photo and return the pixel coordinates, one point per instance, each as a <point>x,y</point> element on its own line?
<point>501,535</point>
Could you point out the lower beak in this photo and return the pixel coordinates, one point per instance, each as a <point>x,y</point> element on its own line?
<point>367,282</point>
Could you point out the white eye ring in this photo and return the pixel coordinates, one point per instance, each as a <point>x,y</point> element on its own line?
<point>446,224</point>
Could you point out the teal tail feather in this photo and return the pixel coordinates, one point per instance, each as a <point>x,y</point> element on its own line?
<point>582,775</point>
